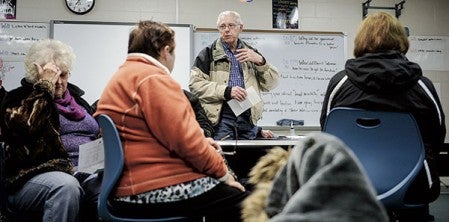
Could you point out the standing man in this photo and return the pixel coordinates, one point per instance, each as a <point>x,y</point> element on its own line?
<point>223,71</point>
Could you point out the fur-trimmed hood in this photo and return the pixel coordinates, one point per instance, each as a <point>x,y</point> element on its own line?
<point>321,180</point>
<point>261,177</point>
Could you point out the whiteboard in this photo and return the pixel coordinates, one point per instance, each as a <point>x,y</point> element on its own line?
<point>430,52</point>
<point>305,60</point>
<point>15,40</point>
<point>101,47</point>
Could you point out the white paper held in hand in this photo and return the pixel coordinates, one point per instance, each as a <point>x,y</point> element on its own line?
<point>252,99</point>
<point>91,156</point>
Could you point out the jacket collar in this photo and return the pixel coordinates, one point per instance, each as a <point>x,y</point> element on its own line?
<point>149,59</point>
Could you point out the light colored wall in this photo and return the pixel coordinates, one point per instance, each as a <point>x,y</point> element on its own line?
<point>428,17</point>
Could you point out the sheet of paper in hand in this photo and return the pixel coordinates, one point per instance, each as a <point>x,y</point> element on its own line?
<point>252,99</point>
<point>91,156</point>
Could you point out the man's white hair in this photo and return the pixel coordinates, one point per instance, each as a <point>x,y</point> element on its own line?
<point>236,16</point>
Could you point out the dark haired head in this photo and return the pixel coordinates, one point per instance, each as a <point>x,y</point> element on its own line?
<point>151,37</point>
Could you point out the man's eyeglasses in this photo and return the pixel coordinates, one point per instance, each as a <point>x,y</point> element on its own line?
<point>230,26</point>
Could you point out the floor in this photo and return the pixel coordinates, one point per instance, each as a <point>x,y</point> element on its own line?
<point>440,208</point>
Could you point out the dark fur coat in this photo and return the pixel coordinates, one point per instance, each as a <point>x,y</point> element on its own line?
<point>31,133</point>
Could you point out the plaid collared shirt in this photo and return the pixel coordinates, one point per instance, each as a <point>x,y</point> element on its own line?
<point>236,73</point>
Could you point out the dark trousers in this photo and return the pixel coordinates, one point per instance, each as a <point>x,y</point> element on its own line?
<point>235,127</point>
<point>91,184</point>
<point>222,203</point>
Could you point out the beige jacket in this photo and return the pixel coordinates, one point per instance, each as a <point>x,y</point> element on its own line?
<point>209,79</point>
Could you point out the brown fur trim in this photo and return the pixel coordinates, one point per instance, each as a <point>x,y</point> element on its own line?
<point>262,175</point>
<point>268,165</point>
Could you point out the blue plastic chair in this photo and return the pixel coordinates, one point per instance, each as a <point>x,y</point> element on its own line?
<point>113,166</point>
<point>389,146</point>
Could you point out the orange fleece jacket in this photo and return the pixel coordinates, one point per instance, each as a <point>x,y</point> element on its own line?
<point>162,141</point>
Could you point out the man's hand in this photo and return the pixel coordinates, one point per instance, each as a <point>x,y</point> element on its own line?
<point>248,55</point>
<point>267,134</point>
<point>238,93</point>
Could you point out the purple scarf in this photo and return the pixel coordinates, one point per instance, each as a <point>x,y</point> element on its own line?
<point>68,107</point>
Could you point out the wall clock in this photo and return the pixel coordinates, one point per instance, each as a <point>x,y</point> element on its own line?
<point>80,7</point>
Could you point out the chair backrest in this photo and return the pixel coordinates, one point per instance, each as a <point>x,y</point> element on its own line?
<point>389,146</point>
<point>113,166</point>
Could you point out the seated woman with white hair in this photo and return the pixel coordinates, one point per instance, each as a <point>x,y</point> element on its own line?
<point>44,122</point>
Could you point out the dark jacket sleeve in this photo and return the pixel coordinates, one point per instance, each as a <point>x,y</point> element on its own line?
<point>332,84</point>
<point>200,114</point>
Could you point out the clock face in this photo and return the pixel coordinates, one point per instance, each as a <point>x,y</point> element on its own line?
<point>80,6</point>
